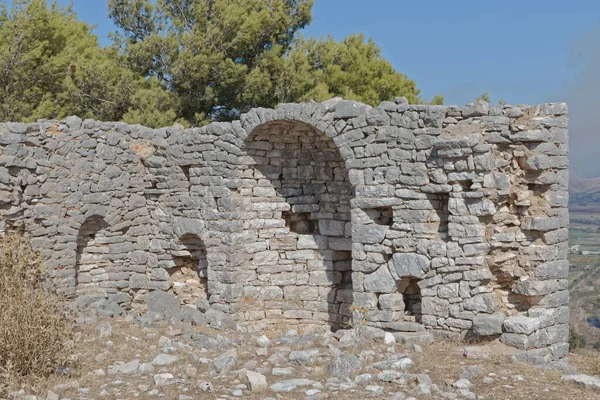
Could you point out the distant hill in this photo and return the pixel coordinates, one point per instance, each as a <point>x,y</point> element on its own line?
<point>583,192</point>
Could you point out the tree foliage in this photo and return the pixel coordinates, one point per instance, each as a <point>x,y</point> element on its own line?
<point>318,69</point>
<point>222,57</point>
<point>186,61</point>
<point>51,65</point>
<point>438,100</point>
<point>203,51</point>
<point>576,339</point>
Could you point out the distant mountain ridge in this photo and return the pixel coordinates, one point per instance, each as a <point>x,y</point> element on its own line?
<point>583,192</point>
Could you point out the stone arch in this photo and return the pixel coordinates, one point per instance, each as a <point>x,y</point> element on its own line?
<point>92,264</point>
<point>188,279</point>
<point>297,196</point>
<point>409,288</point>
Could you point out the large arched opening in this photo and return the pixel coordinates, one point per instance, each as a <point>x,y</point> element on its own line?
<point>298,223</point>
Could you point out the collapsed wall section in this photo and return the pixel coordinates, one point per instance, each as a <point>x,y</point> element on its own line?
<point>416,219</point>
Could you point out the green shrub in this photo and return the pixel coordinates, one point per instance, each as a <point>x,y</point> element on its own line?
<point>576,340</point>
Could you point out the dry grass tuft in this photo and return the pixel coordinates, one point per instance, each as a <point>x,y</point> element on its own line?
<point>593,363</point>
<point>34,330</point>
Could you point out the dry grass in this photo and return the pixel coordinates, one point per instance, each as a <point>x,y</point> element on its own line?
<point>33,329</point>
<point>444,362</point>
<point>593,363</point>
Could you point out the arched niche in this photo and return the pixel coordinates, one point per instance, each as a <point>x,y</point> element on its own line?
<point>298,225</point>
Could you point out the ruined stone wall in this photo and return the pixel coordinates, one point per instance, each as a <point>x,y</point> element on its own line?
<point>409,218</point>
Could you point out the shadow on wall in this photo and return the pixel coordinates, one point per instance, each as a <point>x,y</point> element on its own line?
<point>411,297</point>
<point>92,264</point>
<point>302,192</point>
<point>188,280</point>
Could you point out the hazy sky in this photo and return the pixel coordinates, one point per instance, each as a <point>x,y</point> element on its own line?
<point>524,51</point>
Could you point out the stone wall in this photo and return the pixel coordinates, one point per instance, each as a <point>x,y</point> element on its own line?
<point>407,218</point>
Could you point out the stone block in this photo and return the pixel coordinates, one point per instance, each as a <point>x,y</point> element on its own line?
<point>483,303</point>
<point>380,281</point>
<point>532,287</point>
<point>553,269</point>
<point>345,109</point>
<point>521,325</point>
<point>410,265</point>
<point>392,301</point>
<point>324,278</point>
<point>488,325</point>
<point>435,306</point>
<point>369,234</point>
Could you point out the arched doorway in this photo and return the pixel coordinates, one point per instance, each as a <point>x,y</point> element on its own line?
<point>298,217</point>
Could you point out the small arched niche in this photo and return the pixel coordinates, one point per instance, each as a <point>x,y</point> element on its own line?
<point>411,297</point>
<point>189,278</point>
<point>92,264</point>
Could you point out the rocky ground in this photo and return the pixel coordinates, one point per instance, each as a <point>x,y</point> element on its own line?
<point>129,357</point>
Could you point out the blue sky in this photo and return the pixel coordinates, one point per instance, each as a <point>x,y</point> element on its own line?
<point>524,51</point>
<point>514,49</point>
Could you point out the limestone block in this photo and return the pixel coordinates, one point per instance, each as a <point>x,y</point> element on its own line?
<point>484,303</point>
<point>521,324</point>
<point>552,269</point>
<point>330,227</point>
<point>345,109</point>
<point>481,208</point>
<point>392,301</point>
<point>435,306</point>
<point>368,300</point>
<point>324,278</point>
<point>482,274</point>
<point>487,325</point>
<point>370,234</point>
<point>380,281</point>
<point>300,293</point>
<point>532,287</point>
<point>409,264</point>
<point>476,109</point>
<point>448,291</point>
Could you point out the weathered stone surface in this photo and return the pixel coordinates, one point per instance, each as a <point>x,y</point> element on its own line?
<point>553,269</point>
<point>343,366</point>
<point>304,214</point>
<point>410,265</point>
<point>477,109</point>
<point>167,305</point>
<point>487,325</point>
<point>290,385</point>
<point>484,303</point>
<point>477,352</point>
<point>521,324</point>
<point>350,109</point>
<point>380,281</point>
<point>532,287</point>
<point>587,381</point>
<point>164,359</point>
<point>256,382</point>
<point>370,234</point>
<point>435,306</point>
<point>225,361</point>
